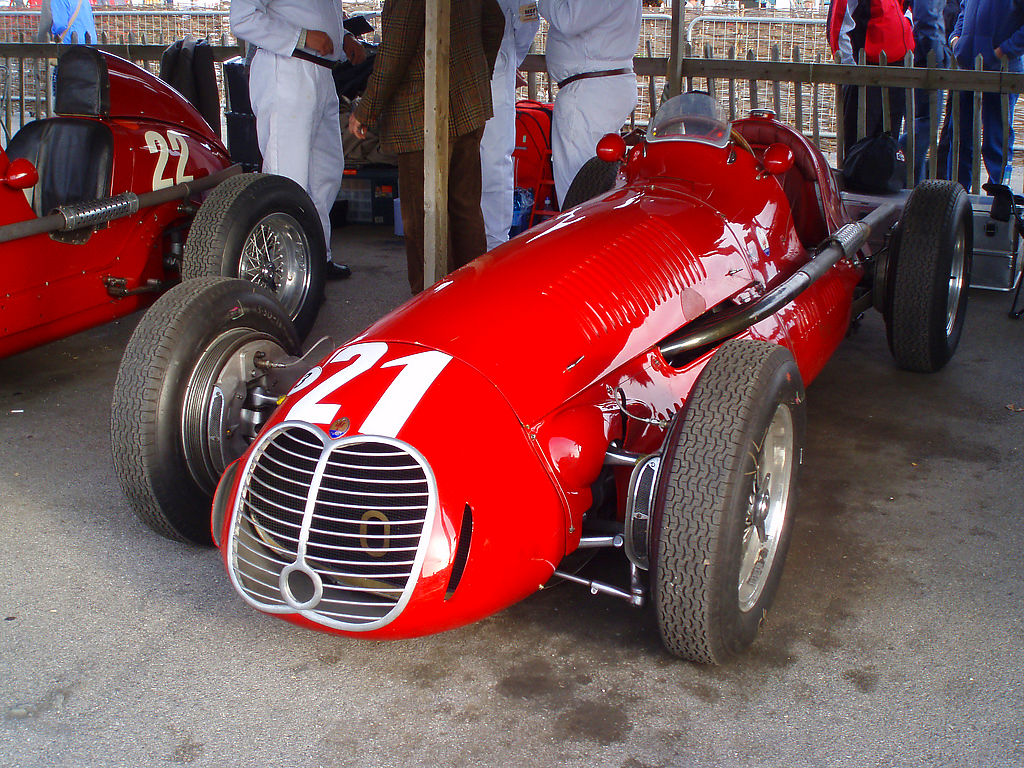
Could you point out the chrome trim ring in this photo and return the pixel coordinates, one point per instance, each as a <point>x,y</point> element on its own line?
<point>213,432</point>
<point>957,277</point>
<point>768,507</point>
<point>276,255</point>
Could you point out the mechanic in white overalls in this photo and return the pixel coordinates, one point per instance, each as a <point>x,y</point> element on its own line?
<point>590,49</point>
<point>499,139</point>
<point>291,87</point>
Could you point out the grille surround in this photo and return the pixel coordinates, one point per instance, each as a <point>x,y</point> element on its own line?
<point>308,514</point>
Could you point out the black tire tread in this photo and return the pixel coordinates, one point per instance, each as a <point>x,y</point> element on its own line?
<point>168,508</point>
<point>204,247</point>
<point>709,451</point>
<point>915,313</point>
<point>202,255</point>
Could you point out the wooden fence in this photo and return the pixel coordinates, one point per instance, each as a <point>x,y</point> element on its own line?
<point>801,93</point>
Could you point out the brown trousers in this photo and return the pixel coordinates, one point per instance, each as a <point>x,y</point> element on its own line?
<point>466,236</point>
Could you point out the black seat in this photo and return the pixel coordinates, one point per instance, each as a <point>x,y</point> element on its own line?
<point>73,153</point>
<point>799,183</point>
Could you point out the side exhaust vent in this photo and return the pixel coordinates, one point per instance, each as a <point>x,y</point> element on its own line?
<point>461,553</point>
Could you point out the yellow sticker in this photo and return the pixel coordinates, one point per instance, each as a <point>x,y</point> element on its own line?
<point>528,12</point>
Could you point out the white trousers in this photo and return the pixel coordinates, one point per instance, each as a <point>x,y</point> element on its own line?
<point>585,110</point>
<point>496,147</point>
<point>298,127</point>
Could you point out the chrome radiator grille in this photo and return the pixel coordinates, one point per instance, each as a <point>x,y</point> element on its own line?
<point>333,529</point>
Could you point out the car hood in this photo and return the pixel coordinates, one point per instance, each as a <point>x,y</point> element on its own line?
<point>554,310</point>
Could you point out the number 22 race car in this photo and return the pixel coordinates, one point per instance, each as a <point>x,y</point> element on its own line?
<point>127,191</point>
<point>628,375</point>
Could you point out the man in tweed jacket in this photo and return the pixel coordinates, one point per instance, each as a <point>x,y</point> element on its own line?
<point>393,103</point>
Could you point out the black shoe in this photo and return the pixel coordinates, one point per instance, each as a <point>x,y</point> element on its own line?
<point>338,271</point>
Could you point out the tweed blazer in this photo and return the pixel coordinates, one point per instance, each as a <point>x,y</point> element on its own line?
<point>393,101</point>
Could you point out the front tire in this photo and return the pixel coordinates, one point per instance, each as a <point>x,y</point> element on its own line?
<point>189,397</point>
<point>265,229</point>
<point>723,515</point>
<point>930,277</point>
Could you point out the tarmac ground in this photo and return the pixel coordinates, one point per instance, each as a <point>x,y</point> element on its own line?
<point>896,638</point>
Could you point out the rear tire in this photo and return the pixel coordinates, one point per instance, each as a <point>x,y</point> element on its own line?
<point>723,515</point>
<point>265,229</point>
<point>198,337</point>
<point>595,178</point>
<point>930,277</point>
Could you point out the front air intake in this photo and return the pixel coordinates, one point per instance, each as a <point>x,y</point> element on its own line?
<point>333,529</point>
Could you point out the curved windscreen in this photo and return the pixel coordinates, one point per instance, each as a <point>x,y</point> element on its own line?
<point>690,116</point>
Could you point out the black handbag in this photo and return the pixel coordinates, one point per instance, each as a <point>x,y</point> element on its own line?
<point>875,165</point>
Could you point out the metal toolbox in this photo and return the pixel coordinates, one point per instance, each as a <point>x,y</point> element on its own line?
<point>997,257</point>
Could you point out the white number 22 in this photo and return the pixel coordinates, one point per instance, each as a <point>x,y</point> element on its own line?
<point>393,407</point>
<point>162,147</point>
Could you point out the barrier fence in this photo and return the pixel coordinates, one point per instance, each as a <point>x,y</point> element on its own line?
<point>756,60</point>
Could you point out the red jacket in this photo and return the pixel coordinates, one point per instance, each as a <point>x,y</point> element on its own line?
<point>871,25</point>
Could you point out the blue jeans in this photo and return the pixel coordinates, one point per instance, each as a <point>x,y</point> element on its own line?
<point>996,164</point>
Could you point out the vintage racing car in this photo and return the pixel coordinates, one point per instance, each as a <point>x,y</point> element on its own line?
<point>630,374</point>
<point>100,208</point>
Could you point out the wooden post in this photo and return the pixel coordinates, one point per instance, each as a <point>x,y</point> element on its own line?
<point>798,95</point>
<point>862,104</point>
<point>732,87</point>
<point>709,54</point>
<point>435,141</point>
<point>675,57</point>
<point>910,107</point>
<point>1004,108</point>
<point>934,128</point>
<point>776,85</point>
<point>752,86</point>
<point>976,137</point>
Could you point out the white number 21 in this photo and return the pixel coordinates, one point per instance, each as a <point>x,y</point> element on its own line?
<point>393,407</point>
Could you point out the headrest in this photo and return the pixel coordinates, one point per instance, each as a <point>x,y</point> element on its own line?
<point>83,83</point>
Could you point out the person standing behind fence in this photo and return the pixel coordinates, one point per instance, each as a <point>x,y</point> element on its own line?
<point>875,27</point>
<point>66,21</point>
<point>499,139</point>
<point>929,35</point>
<point>993,29</point>
<point>590,49</point>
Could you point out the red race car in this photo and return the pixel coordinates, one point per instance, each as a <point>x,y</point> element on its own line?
<point>629,375</point>
<point>100,209</point>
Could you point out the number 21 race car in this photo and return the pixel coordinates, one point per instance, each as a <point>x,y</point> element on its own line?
<point>628,375</point>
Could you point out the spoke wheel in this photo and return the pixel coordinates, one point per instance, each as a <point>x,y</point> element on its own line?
<point>276,255</point>
<point>265,229</point>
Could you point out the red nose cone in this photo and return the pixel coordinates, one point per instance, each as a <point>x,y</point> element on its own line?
<point>611,148</point>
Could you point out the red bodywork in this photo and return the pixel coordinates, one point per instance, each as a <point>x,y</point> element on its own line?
<point>504,377</point>
<point>53,289</point>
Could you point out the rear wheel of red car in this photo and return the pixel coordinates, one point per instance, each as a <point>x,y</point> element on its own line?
<point>723,517</point>
<point>929,277</point>
<point>191,393</point>
<point>265,229</point>
<point>595,178</point>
